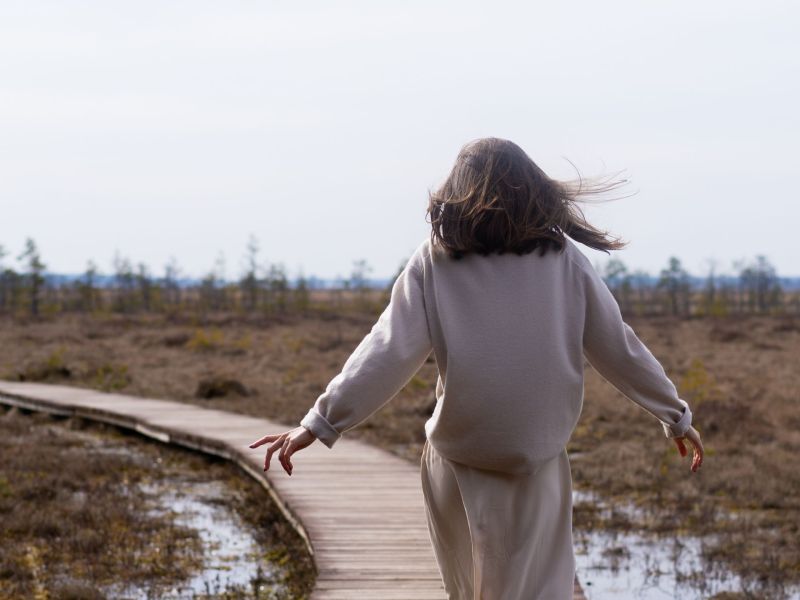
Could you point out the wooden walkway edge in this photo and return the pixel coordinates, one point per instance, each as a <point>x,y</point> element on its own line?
<point>368,537</point>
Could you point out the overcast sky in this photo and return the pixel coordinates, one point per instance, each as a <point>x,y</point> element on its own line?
<point>180,128</point>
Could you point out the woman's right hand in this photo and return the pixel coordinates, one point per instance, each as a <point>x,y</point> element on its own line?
<point>694,438</point>
<point>289,442</point>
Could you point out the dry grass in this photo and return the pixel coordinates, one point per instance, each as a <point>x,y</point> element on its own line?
<point>74,519</point>
<point>71,520</point>
<point>741,377</point>
<point>740,374</point>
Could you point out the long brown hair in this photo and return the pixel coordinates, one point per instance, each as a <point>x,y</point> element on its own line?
<point>496,199</point>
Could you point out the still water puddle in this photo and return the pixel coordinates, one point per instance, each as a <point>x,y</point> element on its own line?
<point>617,564</point>
<point>233,559</point>
<point>235,565</point>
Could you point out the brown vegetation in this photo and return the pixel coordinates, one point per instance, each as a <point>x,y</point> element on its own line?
<point>74,518</point>
<point>740,375</point>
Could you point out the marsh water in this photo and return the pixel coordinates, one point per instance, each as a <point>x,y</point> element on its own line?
<point>234,564</point>
<point>619,564</point>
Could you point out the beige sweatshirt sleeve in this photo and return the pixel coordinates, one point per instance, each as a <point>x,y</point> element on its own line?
<point>385,360</point>
<point>614,350</point>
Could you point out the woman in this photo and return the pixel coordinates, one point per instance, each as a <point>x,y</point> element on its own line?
<point>511,308</point>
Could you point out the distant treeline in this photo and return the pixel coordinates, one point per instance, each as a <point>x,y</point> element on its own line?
<point>262,288</point>
<point>29,290</point>
<point>756,288</point>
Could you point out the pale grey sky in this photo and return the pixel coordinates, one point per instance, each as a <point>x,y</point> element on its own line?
<point>180,128</point>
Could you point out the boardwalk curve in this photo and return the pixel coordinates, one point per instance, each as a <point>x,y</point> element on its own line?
<point>359,508</point>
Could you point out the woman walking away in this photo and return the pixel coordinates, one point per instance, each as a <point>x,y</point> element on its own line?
<point>511,308</point>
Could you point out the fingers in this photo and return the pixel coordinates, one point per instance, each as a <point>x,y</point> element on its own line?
<point>697,448</point>
<point>681,446</point>
<point>697,460</point>
<point>698,452</point>
<point>264,440</point>
<point>284,443</point>
<point>285,453</point>
<point>277,444</point>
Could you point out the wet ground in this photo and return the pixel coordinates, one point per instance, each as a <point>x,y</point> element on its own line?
<point>204,529</point>
<point>614,564</point>
<point>236,553</point>
<point>233,562</point>
<point>739,374</point>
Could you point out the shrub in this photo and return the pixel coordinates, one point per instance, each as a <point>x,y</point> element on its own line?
<point>203,341</point>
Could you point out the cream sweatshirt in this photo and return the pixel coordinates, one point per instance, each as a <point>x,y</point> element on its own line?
<point>509,333</point>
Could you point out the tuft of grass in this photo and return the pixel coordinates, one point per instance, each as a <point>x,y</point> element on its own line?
<point>697,384</point>
<point>111,378</point>
<point>52,368</point>
<point>205,341</point>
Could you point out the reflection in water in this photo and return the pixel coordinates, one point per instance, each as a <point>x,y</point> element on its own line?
<point>233,558</point>
<point>234,564</point>
<point>615,565</point>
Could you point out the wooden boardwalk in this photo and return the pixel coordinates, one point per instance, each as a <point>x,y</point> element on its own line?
<point>358,508</point>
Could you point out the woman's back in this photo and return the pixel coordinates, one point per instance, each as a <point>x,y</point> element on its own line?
<point>507,334</point>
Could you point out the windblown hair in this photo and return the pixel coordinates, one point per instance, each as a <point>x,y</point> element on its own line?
<point>496,199</point>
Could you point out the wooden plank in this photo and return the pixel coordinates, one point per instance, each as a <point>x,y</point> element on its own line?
<point>359,508</point>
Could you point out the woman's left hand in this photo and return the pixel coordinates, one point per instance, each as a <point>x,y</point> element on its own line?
<point>288,442</point>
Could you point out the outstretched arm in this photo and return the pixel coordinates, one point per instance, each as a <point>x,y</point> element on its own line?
<point>378,368</point>
<point>385,360</point>
<point>614,350</point>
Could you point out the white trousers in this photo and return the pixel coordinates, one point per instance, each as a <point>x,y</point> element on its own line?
<point>498,536</point>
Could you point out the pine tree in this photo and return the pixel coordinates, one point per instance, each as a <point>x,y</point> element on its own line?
<point>34,276</point>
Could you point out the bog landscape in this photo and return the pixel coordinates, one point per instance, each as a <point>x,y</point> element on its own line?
<point>265,346</point>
